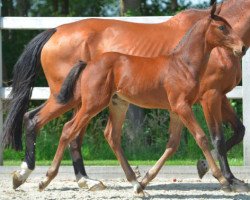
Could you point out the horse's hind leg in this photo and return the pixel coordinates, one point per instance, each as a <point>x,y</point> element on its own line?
<point>82,178</point>
<point>28,164</point>
<point>112,133</point>
<point>175,129</point>
<point>34,120</point>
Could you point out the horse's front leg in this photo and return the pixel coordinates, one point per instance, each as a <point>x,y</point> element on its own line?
<point>82,178</point>
<point>230,116</point>
<point>175,129</point>
<point>216,108</point>
<point>213,104</point>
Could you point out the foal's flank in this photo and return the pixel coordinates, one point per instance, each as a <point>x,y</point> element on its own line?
<point>168,82</point>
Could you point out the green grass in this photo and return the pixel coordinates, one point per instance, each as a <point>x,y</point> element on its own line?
<point>183,162</point>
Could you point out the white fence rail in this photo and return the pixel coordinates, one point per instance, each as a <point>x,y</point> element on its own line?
<point>240,92</point>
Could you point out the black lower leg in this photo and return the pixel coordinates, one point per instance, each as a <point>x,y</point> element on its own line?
<point>31,132</point>
<point>79,167</point>
<point>219,143</point>
<point>76,155</point>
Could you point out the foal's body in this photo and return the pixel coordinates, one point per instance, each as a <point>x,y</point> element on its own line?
<point>87,39</point>
<point>169,82</point>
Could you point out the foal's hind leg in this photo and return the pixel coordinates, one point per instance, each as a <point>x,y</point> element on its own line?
<point>175,129</point>
<point>34,120</point>
<point>118,109</point>
<point>90,107</point>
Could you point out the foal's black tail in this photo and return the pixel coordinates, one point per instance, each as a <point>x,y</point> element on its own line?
<point>68,86</point>
<point>24,75</point>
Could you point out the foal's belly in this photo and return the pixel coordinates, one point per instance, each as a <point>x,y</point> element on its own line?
<point>150,99</point>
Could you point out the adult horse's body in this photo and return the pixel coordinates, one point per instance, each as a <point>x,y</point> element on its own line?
<point>172,84</point>
<point>84,40</point>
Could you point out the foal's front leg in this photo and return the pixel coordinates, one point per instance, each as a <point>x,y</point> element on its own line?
<point>175,128</point>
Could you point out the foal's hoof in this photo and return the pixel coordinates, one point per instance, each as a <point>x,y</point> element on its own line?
<point>43,185</point>
<point>17,180</point>
<point>90,184</point>
<point>202,168</point>
<point>239,186</point>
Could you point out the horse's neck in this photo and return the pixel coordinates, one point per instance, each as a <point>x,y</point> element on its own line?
<point>238,14</point>
<point>193,50</point>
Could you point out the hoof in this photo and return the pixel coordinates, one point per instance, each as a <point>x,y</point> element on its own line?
<point>98,187</point>
<point>16,180</point>
<point>202,168</point>
<point>41,187</point>
<point>82,183</point>
<point>91,185</point>
<point>43,184</point>
<point>243,187</point>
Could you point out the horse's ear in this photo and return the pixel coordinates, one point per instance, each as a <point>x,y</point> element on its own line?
<point>219,9</point>
<point>213,10</point>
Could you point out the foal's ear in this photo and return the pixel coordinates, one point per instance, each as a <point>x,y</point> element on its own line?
<point>219,9</point>
<point>213,10</point>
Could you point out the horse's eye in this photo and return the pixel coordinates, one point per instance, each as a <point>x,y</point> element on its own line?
<point>222,28</point>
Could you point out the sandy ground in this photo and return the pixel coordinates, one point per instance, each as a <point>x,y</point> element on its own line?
<point>64,187</point>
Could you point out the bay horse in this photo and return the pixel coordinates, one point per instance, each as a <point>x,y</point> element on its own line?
<point>57,50</point>
<point>171,82</point>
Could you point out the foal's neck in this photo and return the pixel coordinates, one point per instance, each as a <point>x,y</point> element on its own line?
<point>193,50</point>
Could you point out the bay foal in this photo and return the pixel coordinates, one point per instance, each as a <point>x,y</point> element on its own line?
<point>168,82</point>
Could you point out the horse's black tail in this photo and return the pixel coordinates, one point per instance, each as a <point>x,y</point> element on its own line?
<point>24,75</point>
<point>68,86</point>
